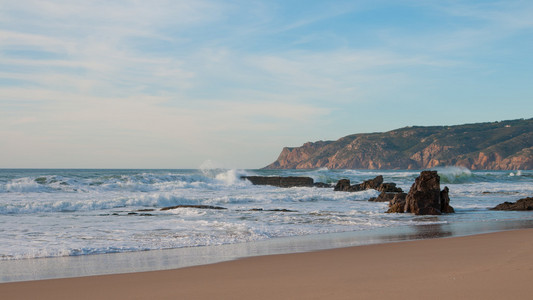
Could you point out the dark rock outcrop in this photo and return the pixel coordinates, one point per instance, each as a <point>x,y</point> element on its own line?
<point>505,145</point>
<point>291,181</point>
<point>370,184</point>
<point>192,206</point>
<point>389,187</point>
<point>383,197</point>
<point>445,207</point>
<point>343,185</point>
<point>397,204</point>
<point>522,204</point>
<point>425,197</point>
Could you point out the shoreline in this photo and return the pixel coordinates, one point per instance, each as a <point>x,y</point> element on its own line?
<point>169,259</point>
<point>489,265</point>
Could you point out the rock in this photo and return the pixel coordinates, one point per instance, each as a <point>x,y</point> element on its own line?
<point>445,201</point>
<point>274,210</point>
<point>522,204</point>
<point>383,197</point>
<point>376,184</point>
<point>367,185</point>
<point>322,185</point>
<point>279,181</point>
<point>192,206</point>
<point>342,185</point>
<point>372,183</point>
<point>425,196</point>
<point>389,187</point>
<point>397,204</point>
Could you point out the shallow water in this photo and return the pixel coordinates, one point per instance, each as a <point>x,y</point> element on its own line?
<point>128,262</point>
<point>63,213</point>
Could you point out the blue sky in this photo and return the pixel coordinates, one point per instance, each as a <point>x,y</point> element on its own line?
<point>181,84</point>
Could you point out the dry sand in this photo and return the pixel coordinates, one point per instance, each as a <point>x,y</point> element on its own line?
<point>487,266</point>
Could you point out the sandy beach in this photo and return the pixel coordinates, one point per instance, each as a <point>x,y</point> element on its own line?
<point>486,266</point>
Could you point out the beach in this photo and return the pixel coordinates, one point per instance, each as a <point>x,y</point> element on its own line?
<point>485,266</point>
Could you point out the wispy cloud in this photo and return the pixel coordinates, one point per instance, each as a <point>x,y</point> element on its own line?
<point>174,76</point>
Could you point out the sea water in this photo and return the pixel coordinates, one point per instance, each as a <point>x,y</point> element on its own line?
<point>56,213</point>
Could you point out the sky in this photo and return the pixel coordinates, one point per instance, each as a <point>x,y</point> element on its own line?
<point>190,84</point>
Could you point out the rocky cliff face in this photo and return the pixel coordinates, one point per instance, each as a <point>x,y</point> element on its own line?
<point>506,145</point>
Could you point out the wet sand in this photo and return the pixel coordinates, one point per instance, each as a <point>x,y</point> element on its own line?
<point>485,266</point>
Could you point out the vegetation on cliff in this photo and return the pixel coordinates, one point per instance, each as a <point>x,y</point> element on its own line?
<point>505,145</point>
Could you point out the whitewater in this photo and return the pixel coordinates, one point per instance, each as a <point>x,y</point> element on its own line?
<point>57,213</point>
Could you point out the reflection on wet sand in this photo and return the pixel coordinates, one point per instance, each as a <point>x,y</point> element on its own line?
<point>60,267</point>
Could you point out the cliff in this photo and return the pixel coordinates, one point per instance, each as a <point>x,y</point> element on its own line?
<point>505,145</point>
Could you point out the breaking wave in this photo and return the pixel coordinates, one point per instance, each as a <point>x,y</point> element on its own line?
<point>143,182</point>
<point>455,175</point>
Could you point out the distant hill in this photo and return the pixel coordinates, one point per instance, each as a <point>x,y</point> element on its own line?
<point>505,145</point>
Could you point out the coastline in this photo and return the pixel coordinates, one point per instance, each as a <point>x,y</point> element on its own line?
<point>158,260</point>
<point>489,265</point>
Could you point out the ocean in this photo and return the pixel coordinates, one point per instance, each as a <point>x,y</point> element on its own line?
<point>47,213</point>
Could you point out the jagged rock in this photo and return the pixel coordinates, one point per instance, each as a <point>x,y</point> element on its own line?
<point>389,187</point>
<point>445,201</point>
<point>397,204</point>
<point>342,185</point>
<point>279,181</point>
<point>424,197</point>
<point>522,204</point>
<point>192,206</point>
<point>371,184</point>
<point>383,197</point>
<point>376,184</point>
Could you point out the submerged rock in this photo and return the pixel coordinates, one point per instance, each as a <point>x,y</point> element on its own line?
<point>322,185</point>
<point>192,206</point>
<point>522,204</point>
<point>274,210</point>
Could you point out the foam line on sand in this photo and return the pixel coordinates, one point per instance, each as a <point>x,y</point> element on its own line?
<point>485,266</point>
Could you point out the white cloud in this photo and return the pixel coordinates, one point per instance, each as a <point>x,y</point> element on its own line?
<point>179,75</point>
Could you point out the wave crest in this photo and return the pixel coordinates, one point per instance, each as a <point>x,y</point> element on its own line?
<point>455,174</point>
